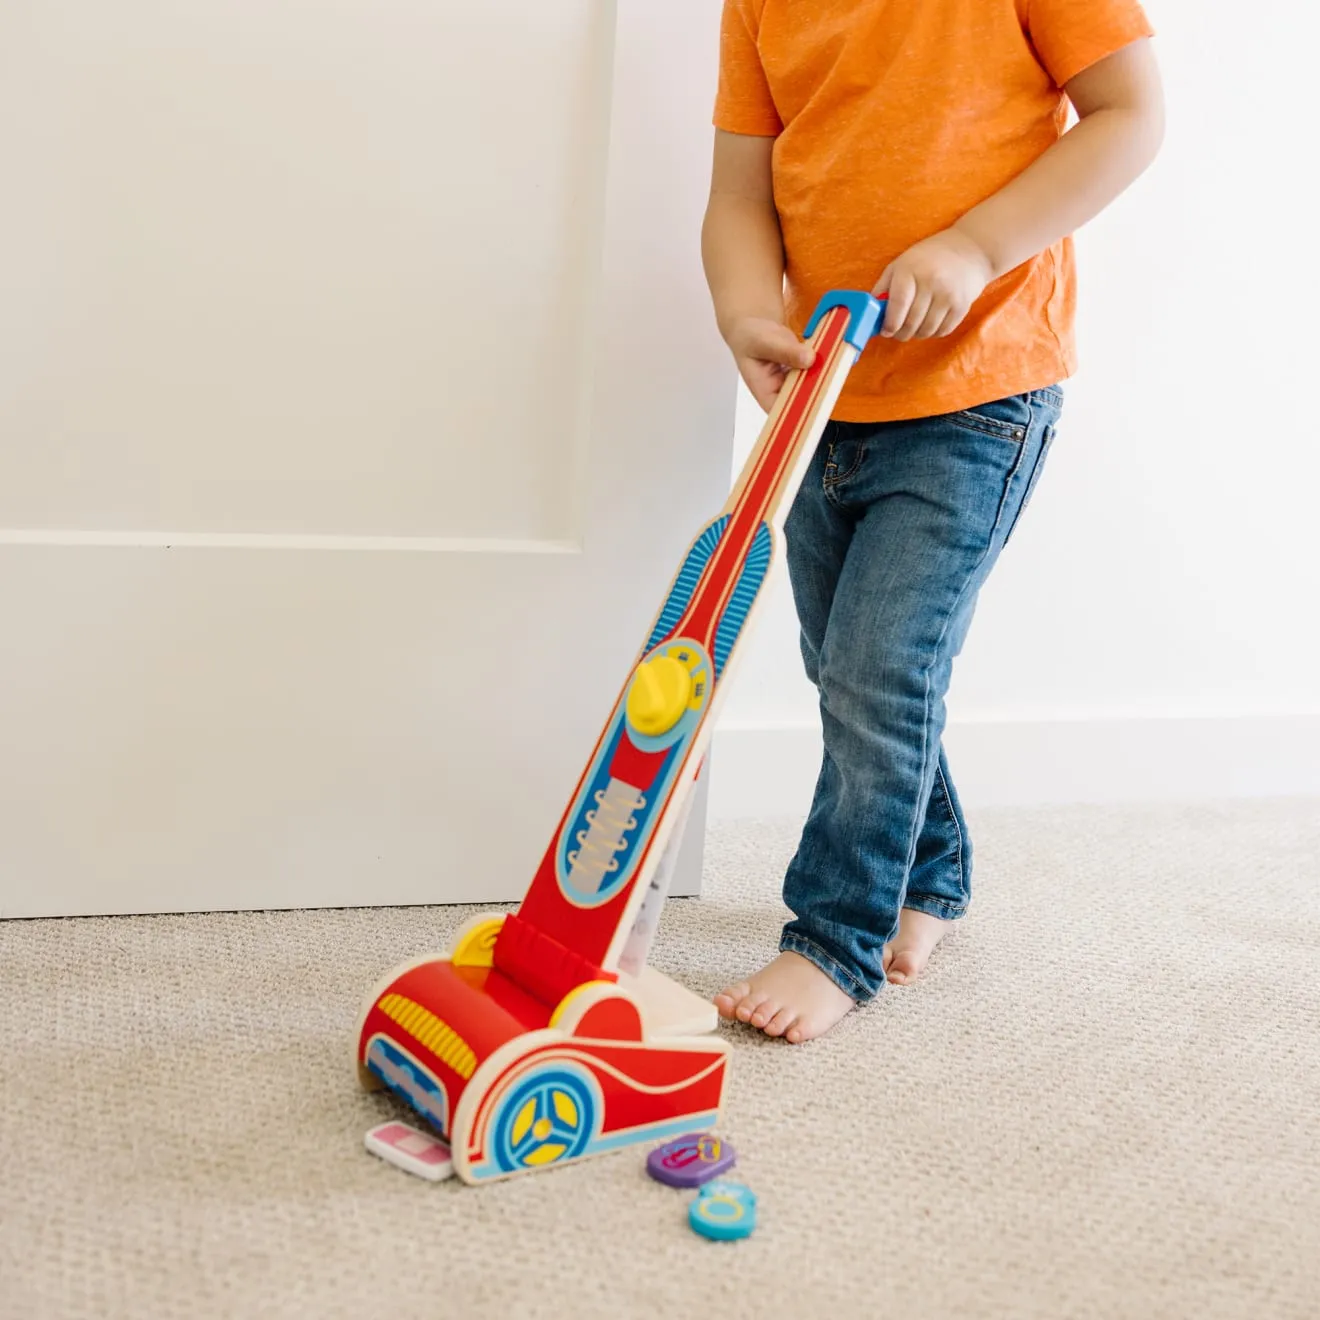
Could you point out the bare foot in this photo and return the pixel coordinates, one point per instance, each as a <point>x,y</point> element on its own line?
<point>918,934</point>
<point>790,997</point>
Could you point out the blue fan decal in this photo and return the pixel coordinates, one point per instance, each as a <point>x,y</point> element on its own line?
<point>686,582</point>
<point>755,567</point>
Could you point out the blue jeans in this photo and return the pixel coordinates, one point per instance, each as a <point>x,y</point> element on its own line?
<point>895,529</point>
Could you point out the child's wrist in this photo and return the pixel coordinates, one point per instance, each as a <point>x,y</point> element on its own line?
<point>982,244</point>
<point>729,321</point>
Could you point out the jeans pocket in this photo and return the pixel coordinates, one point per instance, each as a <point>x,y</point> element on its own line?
<point>1046,440</point>
<point>845,457</point>
<point>1005,419</point>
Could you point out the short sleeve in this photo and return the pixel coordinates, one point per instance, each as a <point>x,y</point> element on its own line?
<point>1071,35</point>
<point>743,103</point>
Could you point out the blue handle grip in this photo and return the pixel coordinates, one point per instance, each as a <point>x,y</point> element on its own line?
<point>867,315</point>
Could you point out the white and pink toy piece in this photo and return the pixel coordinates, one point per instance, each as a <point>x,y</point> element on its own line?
<point>410,1150</point>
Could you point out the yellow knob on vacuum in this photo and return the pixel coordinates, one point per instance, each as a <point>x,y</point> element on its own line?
<point>659,696</point>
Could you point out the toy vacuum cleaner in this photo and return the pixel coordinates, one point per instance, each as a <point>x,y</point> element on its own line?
<point>542,1037</point>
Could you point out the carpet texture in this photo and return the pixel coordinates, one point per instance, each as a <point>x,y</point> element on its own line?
<point>1102,1101</point>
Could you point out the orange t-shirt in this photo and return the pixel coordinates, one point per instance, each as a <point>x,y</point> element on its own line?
<point>892,119</point>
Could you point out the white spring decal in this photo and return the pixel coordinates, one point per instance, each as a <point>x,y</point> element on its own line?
<point>609,823</point>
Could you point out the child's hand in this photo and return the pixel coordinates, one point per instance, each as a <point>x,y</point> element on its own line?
<point>932,286</point>
<point>765,352</point>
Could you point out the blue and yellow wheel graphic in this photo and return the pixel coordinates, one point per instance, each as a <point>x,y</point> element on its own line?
<point>549,1116</point>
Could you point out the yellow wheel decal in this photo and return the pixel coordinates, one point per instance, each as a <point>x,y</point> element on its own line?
<point>546,1154</point>
<point>549,1115</point>
<point>565,1109</point>
<point>524,1122</point>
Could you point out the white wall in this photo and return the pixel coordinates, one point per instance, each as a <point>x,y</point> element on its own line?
<point>1154,630</point>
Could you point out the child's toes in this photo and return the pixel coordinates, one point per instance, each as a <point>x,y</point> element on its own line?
<point>749,1006</point>
<point>727,1000</point>
<point>765,1010</point>
<point>781,1022</point>
<point>902,968</point>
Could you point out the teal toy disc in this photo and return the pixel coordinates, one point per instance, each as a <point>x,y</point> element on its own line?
<point>723,1211</point>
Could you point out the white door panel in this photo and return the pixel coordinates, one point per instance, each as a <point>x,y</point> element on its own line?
<point>358,394</point>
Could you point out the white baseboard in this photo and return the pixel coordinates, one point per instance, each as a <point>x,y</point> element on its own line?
<point>770,771</point>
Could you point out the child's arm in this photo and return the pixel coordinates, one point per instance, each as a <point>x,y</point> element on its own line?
<point>1120,110</point>
<point>743,253</point>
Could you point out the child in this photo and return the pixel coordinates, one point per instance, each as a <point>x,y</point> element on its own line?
<point>920,141</point>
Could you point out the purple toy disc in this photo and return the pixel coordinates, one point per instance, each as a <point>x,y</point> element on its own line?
<point>691,1160</point>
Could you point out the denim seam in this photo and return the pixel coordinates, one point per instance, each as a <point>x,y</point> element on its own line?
<point>950,911</point>
<point>811,950</point>
<point>957,829</point>
<point>942,787</point>
<point>831,481</point>
<point>991,426</point>
<point>939,641</point>
<point>1046,439</point>
<point>1003,504</point>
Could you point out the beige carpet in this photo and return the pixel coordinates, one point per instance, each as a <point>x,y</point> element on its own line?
<point>1103,1101</point>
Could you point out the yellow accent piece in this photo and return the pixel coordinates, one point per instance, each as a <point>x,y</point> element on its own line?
<point>477,947</point>
<point>698,689</point>
<point>685,655</point>
<point>523,1123</point>
<point>427,1029</point>
<point>660,692</point>
<point>572,995</point>
<point>546,1154</point>
<point>542,1128</point>
<point>565,1108</point>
